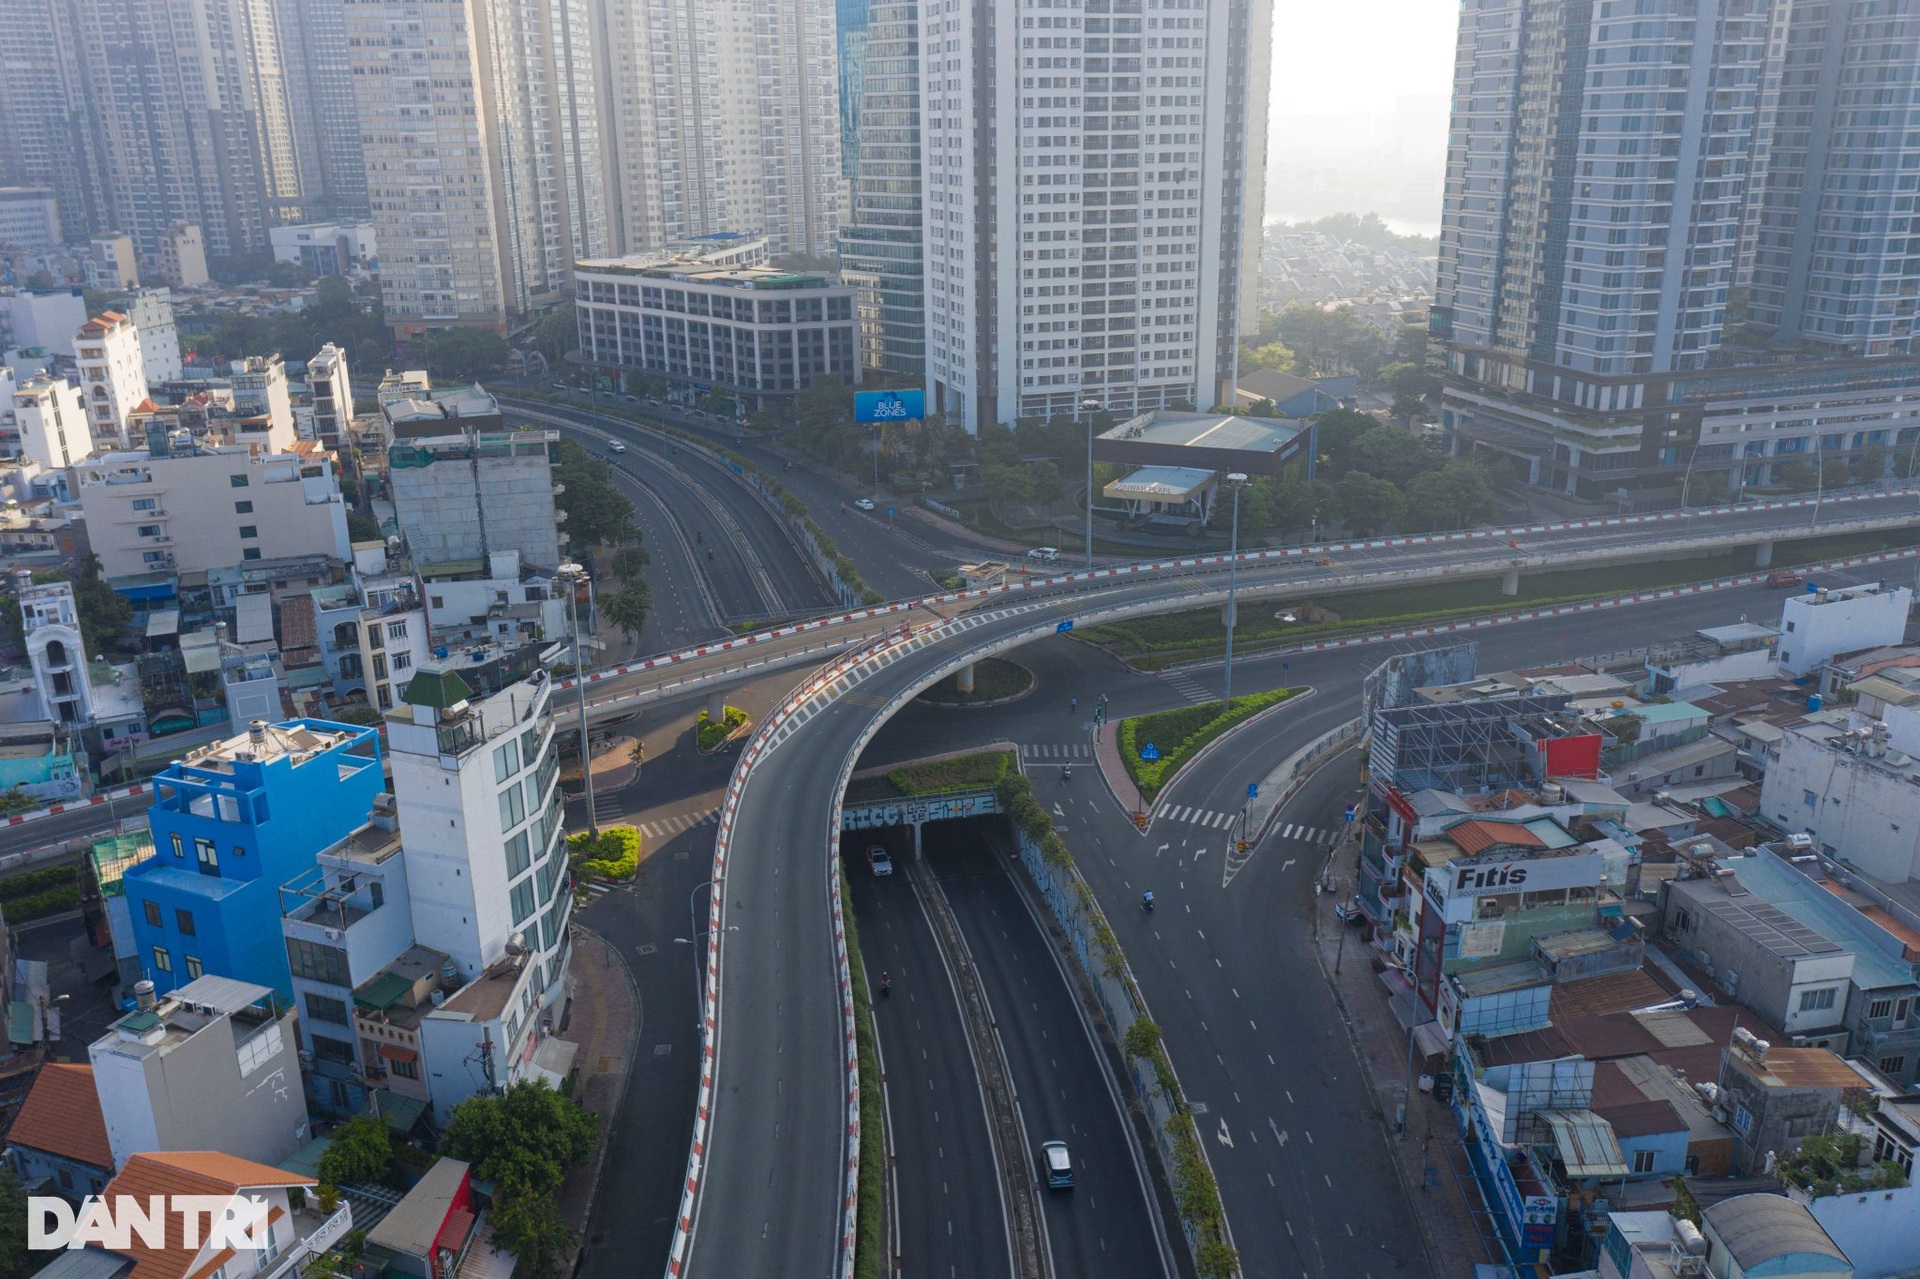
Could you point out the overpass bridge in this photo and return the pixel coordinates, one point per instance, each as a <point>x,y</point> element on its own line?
<point>771,1173</point>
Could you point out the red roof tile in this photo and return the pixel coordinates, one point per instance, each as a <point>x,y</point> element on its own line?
<point>1478,835</point>
<point>187,1172</point>
<point>61,1116</point>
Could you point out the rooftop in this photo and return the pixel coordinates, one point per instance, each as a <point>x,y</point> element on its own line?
<point>416,1221</point>
<point>1763,1228</point>
<point>1210,431</point>
<point>1755,918</point>
<point>416,404</point>
<point>61,1116</point>
<point>1872,937</point>
<point>1160,483</point>
<point>197,1172</point>
<point>296,740</point>
<point>692,270</point>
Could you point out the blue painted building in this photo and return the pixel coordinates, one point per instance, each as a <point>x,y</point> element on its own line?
<point>231,823</point>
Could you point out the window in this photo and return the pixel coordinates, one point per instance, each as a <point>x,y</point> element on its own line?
<point>324,1008</point>
<point>396,630</point>
<point>404,1069</point>
<point>249,530</point>
<point>1643,1161</point>
<point>153,913</point>
<point>316,962</point>
<point>146,503</point>
<point>506,761</point>
<point>1810,799</point>
<point>1814,1000</point>
<point>522,901</point>
<point>517,857</point>
<point>1742,1119</point>
<point>207,855</point>
<point>162,960</point>
<point>183,920</point>
<point>337,1051</point>
<point>250,553</point>
<point>513,808</point>
<point>1879,1008</point>
<point>193,968</point>
<point>179,849</point>
<point>403,661</point>
<point>380,666</point>
<point>1892,1065</point>
<point>243,508</point>
<point>237,481</point>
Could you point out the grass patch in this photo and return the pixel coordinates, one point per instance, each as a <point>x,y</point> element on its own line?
<point>29,883</point>
<point>711,734</point>
<point>994,679</point>
<point>1180,734</point>
<point>867,1244</point>
<point>1152,642</point>
<point>935,777</point>
<point>615,854</point>
<point>54,901</point>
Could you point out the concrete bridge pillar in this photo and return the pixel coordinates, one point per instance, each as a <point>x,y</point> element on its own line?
<point>1763,554</point>
<point>717,705</point>
<point>963,681</point>
<point>1510,584</point>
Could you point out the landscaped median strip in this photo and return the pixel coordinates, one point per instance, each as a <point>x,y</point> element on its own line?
<point>1094,945</point>
<point>1176,736</point>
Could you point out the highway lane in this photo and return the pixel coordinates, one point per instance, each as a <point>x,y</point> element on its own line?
<point>896,565</point>
<point>684,612</point>
<point>1105,1225</point>
<point>713,499</point>
<point>944,1182</point>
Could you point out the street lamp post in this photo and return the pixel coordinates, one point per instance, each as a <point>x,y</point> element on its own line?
<point>1236,480</point>
<point>572,574</point>
<point>699,964</point>
<point>1089,407</point>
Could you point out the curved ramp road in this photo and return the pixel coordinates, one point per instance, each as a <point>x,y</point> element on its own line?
<point>778,1127</point>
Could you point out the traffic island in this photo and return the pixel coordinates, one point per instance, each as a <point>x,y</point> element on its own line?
<point>991,681</point>
<point>713,736</point>
<point>613,855</point>
<point>1154,748</point>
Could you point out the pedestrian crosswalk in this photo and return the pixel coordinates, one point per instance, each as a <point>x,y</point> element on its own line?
<point>1188,687</point>
<point>669,826</point>
<point>1212,820</point>
<point>1064,750</point>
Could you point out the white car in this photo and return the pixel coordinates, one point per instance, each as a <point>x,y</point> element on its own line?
<point>880,860</point>
<point>864,503</point>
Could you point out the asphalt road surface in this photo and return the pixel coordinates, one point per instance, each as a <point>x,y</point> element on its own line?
<point>1105,1224</point>
<point>944,1180</point>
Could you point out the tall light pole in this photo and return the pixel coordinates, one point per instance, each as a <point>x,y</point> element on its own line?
<point>699,961</point>
<point>1089,407</point>
<point>1236,481</point>
<point>572,574</point>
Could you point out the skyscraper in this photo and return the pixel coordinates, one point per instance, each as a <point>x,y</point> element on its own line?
<point>723,117</point>
<point>1087,197</point>
<point>187,100</point>
<point>45,134</point>
<point>326,126</point>
<point>852,21</point>
<point>480,139</point>
<point>882,253</point>
<point>1647,210</point>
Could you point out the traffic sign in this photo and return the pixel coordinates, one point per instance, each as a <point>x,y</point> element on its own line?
<point>1149,752</point>
<point>1064,627</point>
<point>1253,790</point>
<point>1350,812</point>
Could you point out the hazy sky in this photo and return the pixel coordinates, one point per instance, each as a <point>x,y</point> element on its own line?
<point>1359,55</point>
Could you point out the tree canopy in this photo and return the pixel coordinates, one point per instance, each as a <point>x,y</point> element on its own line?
<point>462,355</point>
<point>597,513</point>
<point>361,1152</point>
<point>527,1137</point>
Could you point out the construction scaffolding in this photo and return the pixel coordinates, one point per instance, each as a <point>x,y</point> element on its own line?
<point>1458,746</point>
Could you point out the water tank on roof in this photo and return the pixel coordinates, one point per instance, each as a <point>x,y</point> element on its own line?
<point>1813,701</point>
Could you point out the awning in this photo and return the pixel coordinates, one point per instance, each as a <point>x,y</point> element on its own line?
<point>163,621</point>
<point>1586,1144</point>
<point>395,1052</point>
<point>1430,1039</point>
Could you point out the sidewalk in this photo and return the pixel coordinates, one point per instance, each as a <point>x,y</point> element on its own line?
<point>1113,770</point>
<point>1438,1196</point>
<point>605,1022</point>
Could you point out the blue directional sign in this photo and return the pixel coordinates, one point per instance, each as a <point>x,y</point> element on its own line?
<point>1253,790</point>
<point>1349,812</point>
<point>1064,627</point>
<point>889,406</point>
<point>1149,752</point>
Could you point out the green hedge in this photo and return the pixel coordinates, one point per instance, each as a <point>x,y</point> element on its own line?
<point>614,855</point>
<point>29,882</point>
<point>1180,734</point>
<point>867,1259</point>
<point>54,901</point>
<point>965,772</point>
<point>712,734</point>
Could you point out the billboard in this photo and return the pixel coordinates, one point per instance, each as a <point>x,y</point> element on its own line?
<point>889,406</point>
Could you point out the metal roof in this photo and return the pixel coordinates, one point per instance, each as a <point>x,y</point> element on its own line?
<point>1161,482</point>
<point>1761,1228</point>
<point>416,1220</point>
<point>224,994</point>
<point>1586,1144</point>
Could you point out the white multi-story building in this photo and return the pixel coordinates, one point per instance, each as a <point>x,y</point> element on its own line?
<point>478,784</point>
<point>260,393</point>
<point>110,263</point>
<point>42,318</point>
<point>723,117</point>
<point>1845,619</point>
<point>151,311</point>
<point>29,219</point>
<point>52,421</point>
<point>210,508</point>
<point>332,395</point>
<point>113,375</point>
<point>325,248</point>
<point>55,648</point>
<point>1852,793</point>
<point>489,230</point>
<point>1090,177</point>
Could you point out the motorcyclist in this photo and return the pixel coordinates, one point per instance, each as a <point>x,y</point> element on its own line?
<point>1146,899</point>
<point>886,983</point>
